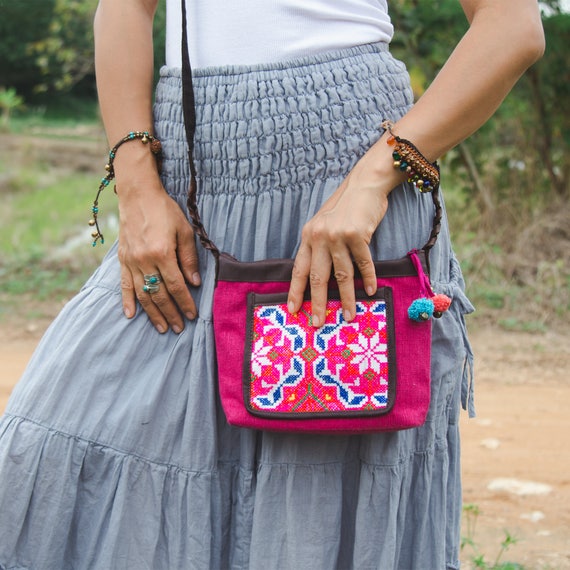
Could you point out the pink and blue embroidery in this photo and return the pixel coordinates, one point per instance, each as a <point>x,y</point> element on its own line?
<point>297,369</point>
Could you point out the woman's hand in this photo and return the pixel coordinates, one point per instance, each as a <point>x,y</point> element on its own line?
<point>338,236</point>
<point>156,238</point>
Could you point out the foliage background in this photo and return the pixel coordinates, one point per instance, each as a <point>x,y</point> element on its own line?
<point>506,187</point>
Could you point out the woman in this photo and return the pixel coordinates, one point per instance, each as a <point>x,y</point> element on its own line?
<point>114,452</point>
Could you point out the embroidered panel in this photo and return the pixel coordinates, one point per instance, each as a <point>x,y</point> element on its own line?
<point>295,369</point>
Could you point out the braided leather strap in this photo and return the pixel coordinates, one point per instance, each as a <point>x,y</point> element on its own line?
<point>436,224</point>
<point>189,113</point>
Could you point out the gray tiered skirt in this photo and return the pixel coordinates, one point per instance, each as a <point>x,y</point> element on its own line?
<point>114,452</point>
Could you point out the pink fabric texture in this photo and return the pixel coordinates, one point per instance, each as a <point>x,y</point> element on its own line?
<point>412,356</point>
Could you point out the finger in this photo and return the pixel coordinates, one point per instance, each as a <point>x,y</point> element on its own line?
<point>344,275</point>
<point>168,293</point>
<point>174,295</point>
<point>128,293</point>
<point>188,257</point>
<point>146,302</point>
<point>321,265</point>
<point>163,303</point>
<point>363,261</point>
<point>299,278</point>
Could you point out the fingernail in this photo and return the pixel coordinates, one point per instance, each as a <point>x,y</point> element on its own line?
<point>369,290</point>
<point>177,329</point>
<point>347,315</point>
<point>315,321</point>
<point>128,313</point>
<point>190,316</point>
<point>160,329</point>
<point>291,307</point>
<point>196,279</point>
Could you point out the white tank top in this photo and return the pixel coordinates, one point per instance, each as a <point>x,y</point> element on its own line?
<point>249,32</point>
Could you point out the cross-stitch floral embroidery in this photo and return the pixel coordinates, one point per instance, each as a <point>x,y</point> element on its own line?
<point>369,352</point>
<point>341,366</point>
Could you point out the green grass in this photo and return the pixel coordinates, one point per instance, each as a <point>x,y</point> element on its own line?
<point>64,113</point>
<point>37,219</point>
<point>525,291</point>
<point>45,240</point>
<point>481,560</point>
<point>44,281</point>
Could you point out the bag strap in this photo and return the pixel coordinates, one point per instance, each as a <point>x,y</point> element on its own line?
<point>189,113</point>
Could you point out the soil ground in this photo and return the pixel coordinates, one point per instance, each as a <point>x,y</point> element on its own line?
<point>518,438</point>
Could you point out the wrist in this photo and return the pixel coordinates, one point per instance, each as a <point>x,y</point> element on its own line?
<point>135,168</point>
<point>381,164</point>
<point>137,164</point>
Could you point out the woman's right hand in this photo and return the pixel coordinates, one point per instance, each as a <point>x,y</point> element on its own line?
<point>155,237</point>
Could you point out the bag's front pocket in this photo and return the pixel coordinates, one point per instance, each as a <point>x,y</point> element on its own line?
<point>293,370</point>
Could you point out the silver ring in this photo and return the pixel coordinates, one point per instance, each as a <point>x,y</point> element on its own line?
<point>152,279</point>
<point>150,288</point>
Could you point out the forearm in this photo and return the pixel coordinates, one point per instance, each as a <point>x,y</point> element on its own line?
<point>505,37</point>
<point>124,69</point>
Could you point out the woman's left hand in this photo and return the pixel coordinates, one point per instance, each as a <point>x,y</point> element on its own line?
<point>338,236</point>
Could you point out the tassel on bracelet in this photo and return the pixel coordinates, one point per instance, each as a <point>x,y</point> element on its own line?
<point>407,158</point>
<point>155,148</point>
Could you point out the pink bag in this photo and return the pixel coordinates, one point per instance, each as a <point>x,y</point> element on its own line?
<point>277,372</point>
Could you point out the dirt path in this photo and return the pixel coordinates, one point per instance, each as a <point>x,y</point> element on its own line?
<point>520,434</point>
<point>518,439</point>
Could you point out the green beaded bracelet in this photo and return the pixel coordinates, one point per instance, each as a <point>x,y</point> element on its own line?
<point>155,147</point>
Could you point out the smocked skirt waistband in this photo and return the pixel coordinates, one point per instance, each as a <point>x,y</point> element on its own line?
<point>266,127</point>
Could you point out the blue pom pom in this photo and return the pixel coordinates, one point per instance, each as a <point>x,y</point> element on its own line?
<point>421,310</point>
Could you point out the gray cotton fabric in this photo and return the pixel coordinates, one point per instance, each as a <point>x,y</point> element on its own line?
<point>114,451</point>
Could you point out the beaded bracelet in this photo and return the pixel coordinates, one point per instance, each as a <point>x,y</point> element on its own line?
<point>156,149</point>
<point>407,158</point>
